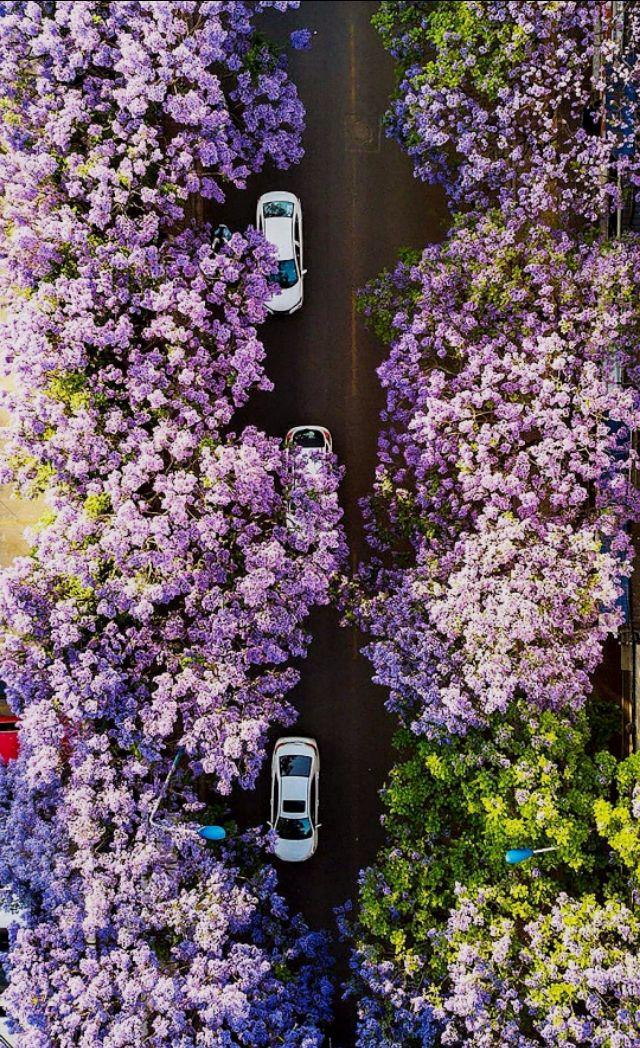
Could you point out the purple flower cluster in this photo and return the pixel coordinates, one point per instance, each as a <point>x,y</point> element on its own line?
<point>137,936</point>
<point>499,523</point>
<point>389,1015</point>
<point>171,601</point>
<point>135,106</point>
<point>574,971</point>
<point>503,468</point>
<point>166,591</point>
<point>543,89</point>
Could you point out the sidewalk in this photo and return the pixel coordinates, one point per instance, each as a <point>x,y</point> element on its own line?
<point>15,514</point>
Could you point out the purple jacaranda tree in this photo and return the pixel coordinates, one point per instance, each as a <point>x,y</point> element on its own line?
<point>115,113</point>
<point>167,587</point>
<point>175,613</point>
<point>498,525</point>
<point>146,354</point>
<point>502,489</point>
<point>526,104</point>
<point>138,934</point>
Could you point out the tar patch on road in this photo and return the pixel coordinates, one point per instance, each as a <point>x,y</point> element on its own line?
<point>361,135</point>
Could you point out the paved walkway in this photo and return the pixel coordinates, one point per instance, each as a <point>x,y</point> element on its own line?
<point>15,514</point>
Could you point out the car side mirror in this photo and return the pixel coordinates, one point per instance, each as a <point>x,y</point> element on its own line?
<point>318,825</point>
<point>304,272</point>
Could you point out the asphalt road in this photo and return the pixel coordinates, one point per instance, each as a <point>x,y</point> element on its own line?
<point>361,204</point>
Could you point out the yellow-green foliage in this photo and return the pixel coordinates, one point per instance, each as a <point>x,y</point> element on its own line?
<point>97,505</point>
<point>452,809</point>
<point>441,36</point>
<point>71,389</point>
<point>619,820</point>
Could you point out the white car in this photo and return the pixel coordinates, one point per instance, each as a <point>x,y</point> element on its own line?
<point>279,218</point>
<point>295,781</point>
<point>307,446</point>
<point>309,440</point>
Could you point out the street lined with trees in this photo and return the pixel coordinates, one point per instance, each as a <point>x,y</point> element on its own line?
<point>153,634</point>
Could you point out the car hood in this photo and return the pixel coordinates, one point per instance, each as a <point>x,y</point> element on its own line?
<point>294,851</point>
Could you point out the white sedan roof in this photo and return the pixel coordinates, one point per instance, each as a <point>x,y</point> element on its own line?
<point>294,788</point>
<point>279,232</point>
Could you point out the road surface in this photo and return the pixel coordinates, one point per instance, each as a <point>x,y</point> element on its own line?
<point>361,205</point>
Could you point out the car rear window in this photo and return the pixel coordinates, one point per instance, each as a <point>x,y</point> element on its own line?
<point>293,807</point>
<point>309,438</point>
<point>278,209</point>
<point>294,764</point>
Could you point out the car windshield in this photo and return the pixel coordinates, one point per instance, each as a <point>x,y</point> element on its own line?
<point>294,829</point>
<point>287,275</point>
<point>309,438</point>
<point>295,764</point>
<point>278,209</point>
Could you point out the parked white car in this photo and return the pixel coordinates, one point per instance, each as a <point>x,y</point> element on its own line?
<point>295,782</point>
<point>307,446</point>
<point>309,440</point>
<point>279,218</point>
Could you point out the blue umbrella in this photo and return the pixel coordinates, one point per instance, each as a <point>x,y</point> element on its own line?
<point>516,855</point>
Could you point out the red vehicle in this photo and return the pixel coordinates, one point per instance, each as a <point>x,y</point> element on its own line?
<point>9,743</point>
